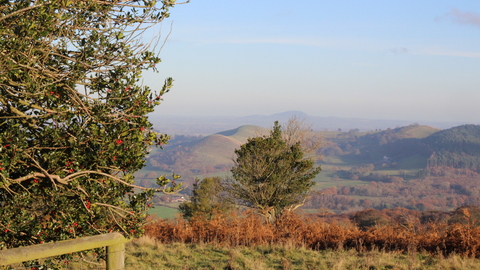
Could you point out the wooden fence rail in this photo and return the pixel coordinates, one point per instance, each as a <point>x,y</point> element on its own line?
<point>115,243</point>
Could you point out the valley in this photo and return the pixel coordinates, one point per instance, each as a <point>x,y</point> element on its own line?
<point>417,167</point>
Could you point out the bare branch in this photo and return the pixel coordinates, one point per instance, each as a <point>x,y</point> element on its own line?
<point>21,10</point>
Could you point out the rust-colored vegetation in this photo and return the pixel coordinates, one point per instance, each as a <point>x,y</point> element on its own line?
<point>320,233</point>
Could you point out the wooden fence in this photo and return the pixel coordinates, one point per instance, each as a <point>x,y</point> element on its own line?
<point>115,243</point>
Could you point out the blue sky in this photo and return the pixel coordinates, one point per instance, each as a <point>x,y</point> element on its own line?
<point>405,60</point>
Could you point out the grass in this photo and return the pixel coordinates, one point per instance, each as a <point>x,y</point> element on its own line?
<point>146,253</point>
<point>323,176</point>
<point>163,212</point>
<point>333,160</point>
<point>413,162</point>
<point>242,133</point>
<point>421,132</point>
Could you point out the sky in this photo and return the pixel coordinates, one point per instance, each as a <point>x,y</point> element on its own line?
<point>402,60</point>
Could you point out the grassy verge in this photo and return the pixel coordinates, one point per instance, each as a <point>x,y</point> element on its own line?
<point>145,253</point>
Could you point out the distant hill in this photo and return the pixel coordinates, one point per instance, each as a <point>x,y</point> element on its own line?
<point>412,147</point>
<point>461,139</point>
<point>207,155</point>
<point>218,149</point>
<point>206,125</point>
<point>413,131</point>
<point>414,166</point>
<point>243,133</point>
<point>457,147</point>
<point>397,144</point>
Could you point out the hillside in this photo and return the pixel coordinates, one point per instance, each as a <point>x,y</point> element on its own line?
<point>218,149</point>
<point>398,144</point>
<point>207,155</point>
<point>417,167</point>
<point>242,133</point>
<point>457,147</point>
<point>392,135</point>
<point>461,139</point>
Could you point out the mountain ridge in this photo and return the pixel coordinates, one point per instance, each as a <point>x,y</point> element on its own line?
<point>206,125</point>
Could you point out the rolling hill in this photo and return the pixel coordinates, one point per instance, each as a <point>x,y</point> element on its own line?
<point>457,147</point>
<point>412,147</point>
<point>218,149</point>
<point>381,169</point>
<point>207,155</point>
<point>408,148</point>
<point>405,148</point>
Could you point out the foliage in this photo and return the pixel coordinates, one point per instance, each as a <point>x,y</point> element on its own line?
<point>271,175</point>
<point>369,218</point>
<point>457,147</point>
<point>313,232</point>
<point>298,130</point>
<point>467,215</point>
<point>73,117</point>
<point>208,198</point>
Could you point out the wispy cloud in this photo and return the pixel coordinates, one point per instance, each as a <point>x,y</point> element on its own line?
<point>464,17</point>
<point>399,50</point>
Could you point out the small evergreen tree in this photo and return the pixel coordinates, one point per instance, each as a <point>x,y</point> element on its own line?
<point>271,175</point>
<point>208,198</point>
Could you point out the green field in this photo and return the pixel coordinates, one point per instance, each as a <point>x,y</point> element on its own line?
<point>413,162</point>
<point>163,212</point>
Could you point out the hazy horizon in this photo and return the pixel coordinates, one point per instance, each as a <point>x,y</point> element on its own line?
<point>409,60</point>
<point>412,121</point>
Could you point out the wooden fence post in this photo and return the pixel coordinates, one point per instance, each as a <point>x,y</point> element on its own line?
<point>115,243</point>
<point>116,257</point>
